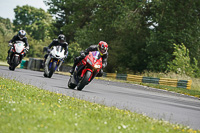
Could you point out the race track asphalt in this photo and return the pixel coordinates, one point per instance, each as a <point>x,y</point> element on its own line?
<point>172,107</point>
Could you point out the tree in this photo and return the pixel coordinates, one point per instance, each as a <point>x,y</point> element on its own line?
<point>140,34</point>
<point>70,15</point>
<point>36,22</point>
<point>6,33</point>
<point>182,63</point>
<point>176,22</point>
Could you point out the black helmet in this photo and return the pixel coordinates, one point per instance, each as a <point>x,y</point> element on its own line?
<point>61,38</point>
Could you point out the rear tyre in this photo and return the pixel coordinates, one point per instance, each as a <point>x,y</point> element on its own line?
<point>84,81</point>
<point>52,69</point>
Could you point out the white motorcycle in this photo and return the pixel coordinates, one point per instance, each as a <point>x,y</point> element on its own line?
<point>54,60</point>
<point>18,50</point>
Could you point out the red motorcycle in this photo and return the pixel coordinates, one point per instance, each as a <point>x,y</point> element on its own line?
<point>86,70</point>
<point>18,50</point>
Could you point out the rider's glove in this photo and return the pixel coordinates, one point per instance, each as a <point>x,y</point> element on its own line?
<point>27,47</point>
<point>65,56</point>
<point>10,44</point>
<point>48,50</point>
<point>82,54</point>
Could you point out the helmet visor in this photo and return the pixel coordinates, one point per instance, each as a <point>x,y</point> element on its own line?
<point>62,41</point>
<point>21,36</point>
<point>103,50</point>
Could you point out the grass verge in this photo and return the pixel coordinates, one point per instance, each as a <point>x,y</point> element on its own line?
<point>25,108</point>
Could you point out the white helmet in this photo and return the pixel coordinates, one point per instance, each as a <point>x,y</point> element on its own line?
<point>21,34</point>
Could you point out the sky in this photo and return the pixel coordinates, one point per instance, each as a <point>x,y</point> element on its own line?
<point>7,6</point>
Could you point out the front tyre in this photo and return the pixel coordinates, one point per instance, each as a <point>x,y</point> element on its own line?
<point>70,84</point>
<point>45,75</point>
<point>52,69</point>
<point>15,63</point>
<point>84,80</point>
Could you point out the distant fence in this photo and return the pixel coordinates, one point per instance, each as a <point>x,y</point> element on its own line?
<point>162,81</point>
<point>36,65</point>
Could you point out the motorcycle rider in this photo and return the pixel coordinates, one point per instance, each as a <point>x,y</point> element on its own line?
<point>21,36</point>
<point>102,47</point>
<point>61,41</point>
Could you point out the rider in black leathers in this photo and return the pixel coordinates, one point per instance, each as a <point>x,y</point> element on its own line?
<point>61,41</point>
<point>21,36</point>
<point>102,47</point>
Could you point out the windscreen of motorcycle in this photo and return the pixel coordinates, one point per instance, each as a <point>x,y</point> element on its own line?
<point>58,51</point>
<point>59,48</point>
<point>96,55</point>
<point>19,46</point>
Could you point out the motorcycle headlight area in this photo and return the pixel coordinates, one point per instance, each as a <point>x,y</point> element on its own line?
<point>89,61</point>
<point>97,66</point>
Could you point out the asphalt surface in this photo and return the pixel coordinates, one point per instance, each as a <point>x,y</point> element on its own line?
<point>172,107</point>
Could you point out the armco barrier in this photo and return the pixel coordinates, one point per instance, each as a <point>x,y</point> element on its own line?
<point>168,82</point>
<point>135,78</point>
<point>150,80</point>
<point>111,75</point>
<point>162,81</point>
<point>184,84</point>
<point>121,76</point>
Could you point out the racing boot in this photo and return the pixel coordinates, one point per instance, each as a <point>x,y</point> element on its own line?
<point>43,63</point>
<point>72,69</point>
<point>8,59</point>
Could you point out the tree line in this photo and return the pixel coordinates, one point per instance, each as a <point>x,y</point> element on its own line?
<point>142,35</point>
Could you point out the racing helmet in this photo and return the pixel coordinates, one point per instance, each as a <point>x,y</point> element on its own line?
<point>61,38</point>
<point>21,34</point>
<point>103,47</point>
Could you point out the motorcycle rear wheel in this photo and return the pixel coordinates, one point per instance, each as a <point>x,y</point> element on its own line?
<point>84,81</point>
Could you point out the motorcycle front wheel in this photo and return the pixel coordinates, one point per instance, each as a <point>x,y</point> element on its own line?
<point>70,84</point>
<point>15,63</point>
<point>52,69</point>
<point>84,80</point>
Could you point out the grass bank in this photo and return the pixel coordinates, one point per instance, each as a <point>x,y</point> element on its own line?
<point>25,108</point>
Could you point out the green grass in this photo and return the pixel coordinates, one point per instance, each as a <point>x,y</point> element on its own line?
<point>4,63</point>
<point>25,108</point>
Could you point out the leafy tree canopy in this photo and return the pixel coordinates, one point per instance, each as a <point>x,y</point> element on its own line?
<point>36,22</point>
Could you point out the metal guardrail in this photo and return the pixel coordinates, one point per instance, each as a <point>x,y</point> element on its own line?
<point>36,65</point>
